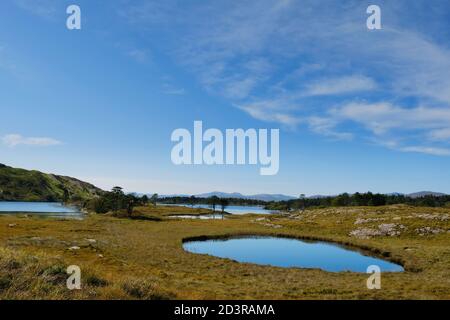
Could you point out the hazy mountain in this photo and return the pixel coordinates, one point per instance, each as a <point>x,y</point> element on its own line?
<point>411,195</point>
<point>318,196</point>
<point>425,193</point>
<point>283,197</point>
<point>262,197</point>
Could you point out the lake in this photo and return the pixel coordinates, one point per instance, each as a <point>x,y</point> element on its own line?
<point>200,217</point>
<point>43,209</point>
<point>289,253</point>
<point>229,209</point>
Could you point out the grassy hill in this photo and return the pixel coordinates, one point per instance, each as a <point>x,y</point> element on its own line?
<point>30,185</point>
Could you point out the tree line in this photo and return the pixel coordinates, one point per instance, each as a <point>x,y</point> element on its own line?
<point>193,200</point>
<point>116,200</point>
<point>359,199</point>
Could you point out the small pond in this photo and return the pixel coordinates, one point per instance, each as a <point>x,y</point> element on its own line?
<point>288,253</point>
<point>229,209</point>
<point>199,217</point>
<point>42,209</point>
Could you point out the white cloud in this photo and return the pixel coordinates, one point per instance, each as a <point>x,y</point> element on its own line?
<point>174,91</point>
<point>13,140</point>
<point>440,134</point>
<point>427,150</point>
<point>240,89</point>
<point>138,55</point>
<point>395,127</point>
<point>259,65</point>
<point>170,89</point>
<point>341,85</point>
<point>260,111</point>
<point>44,8</point>
<point>326,127</point>
<point>394,143</point>
<point>284,61</point>
<point>382,117</point>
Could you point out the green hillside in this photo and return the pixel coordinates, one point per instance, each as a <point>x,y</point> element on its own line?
<point>25,185</point>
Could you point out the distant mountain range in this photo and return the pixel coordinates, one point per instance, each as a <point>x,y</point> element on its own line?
<point>237,195</point>
<point>262,197</point>
<point>411,195</point>
<point>283,197</point>
<point>31,185</point>
<point>425,193</point>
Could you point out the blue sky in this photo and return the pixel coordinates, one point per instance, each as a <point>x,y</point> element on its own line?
<point>357,109</point>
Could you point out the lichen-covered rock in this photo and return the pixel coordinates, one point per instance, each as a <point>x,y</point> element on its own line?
<point>367,220</point>
<point>271,225</point>
<point>385,229</point>
<point>365,233</point>
<point>429,216</point>
<point>391,229</point>
<point>428,231</point>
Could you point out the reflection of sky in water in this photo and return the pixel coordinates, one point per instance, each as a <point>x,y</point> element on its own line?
<point>284,252</point>
<point>200,217</point>
<point>229,209</point>
<point>44,209</point>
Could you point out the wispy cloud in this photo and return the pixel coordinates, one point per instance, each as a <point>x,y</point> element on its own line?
<point>440,134</point>
<point>383,117</point>
<point>173,91</point>
<point>277,110</point>
<point>327,127</point>
<point>43,8</point>
<point>293,62</point>
<point>397,127</point>
<point>340,85</point>
<point>258,111</point>
<point>139,55</point>
<point>394,143</point>
<point>427,150</point>
<point>169,88</point>
<point>13,140</point>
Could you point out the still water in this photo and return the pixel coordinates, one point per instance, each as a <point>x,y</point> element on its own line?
<point>44,209</point>
<point>285,252</point>
<point>230,209</point>
<point>199,217</point>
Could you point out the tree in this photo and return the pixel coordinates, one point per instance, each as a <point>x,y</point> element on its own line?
<point>302,202</point>
<point>192,201</point>
<point>117,190</point>
<point>289,204</point>
<point>154,199</point>
<point>66,196</point>
<point>223,204</point>
<point>213,202</point>
<point>378,199</point>
<point>99,205</point>
<point>130,205</point>
<point>341,200</point>
<point>144,199</point>
<point>117,195</point>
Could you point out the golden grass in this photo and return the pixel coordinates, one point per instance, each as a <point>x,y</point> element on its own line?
<point>144,259</point>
